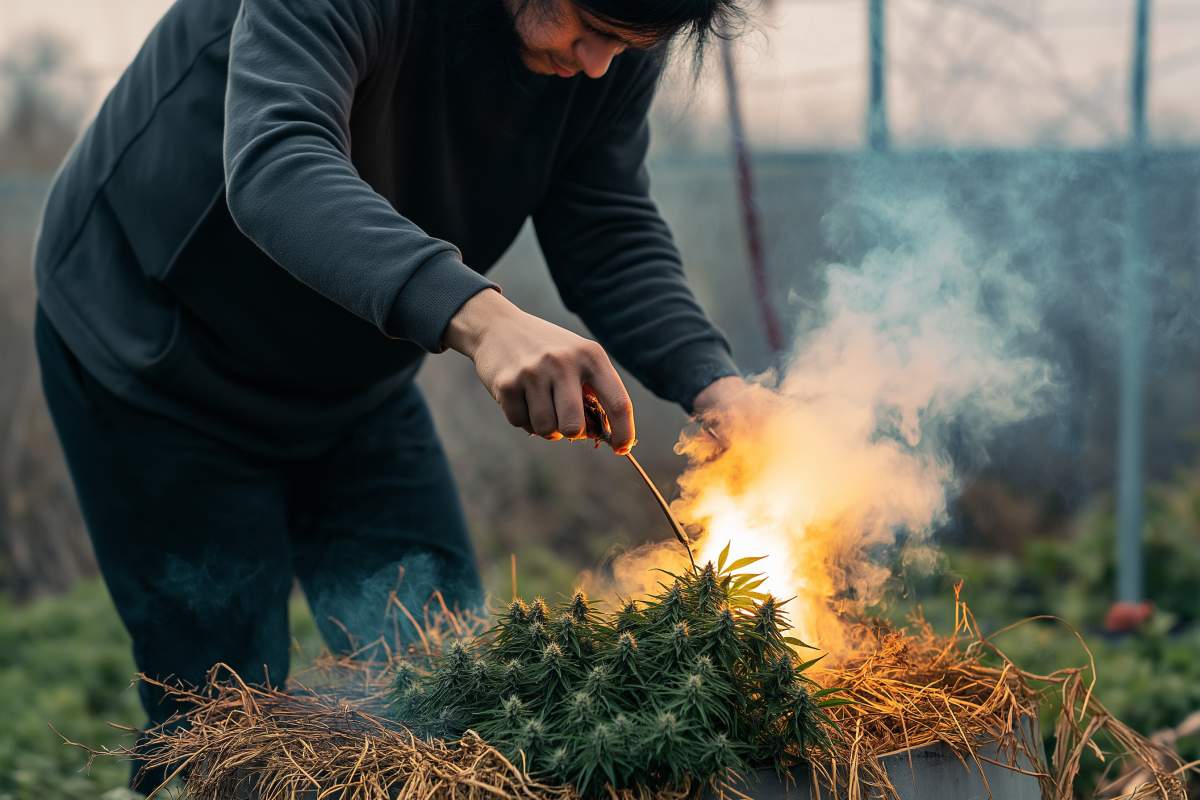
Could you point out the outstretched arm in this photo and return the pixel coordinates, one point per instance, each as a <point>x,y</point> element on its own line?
<point>615,262</point>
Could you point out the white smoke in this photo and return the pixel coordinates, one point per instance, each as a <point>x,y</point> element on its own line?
<point>850,449</point>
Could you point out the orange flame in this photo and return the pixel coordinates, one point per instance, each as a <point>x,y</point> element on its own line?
<point>803,486</point>
<point>839,467</point>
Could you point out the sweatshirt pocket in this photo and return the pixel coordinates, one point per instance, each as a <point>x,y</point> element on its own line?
<point>102,285</point>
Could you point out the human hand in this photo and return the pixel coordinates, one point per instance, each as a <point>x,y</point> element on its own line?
<point>718,395</point>
<point>715,405</point>
<point>536,370</point>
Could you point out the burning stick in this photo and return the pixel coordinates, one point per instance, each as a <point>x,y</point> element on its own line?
<point>599,430</point>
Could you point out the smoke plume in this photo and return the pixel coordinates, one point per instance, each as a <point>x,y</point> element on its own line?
<point>840,464</point>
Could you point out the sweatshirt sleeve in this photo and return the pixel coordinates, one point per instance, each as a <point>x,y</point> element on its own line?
<point>615,262</point>
<point>292,189</point>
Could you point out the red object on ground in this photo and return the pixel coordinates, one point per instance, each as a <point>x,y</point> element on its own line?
<point>1126,617</point>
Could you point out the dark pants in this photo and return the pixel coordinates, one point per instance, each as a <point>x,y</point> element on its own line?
<point>199,542</point>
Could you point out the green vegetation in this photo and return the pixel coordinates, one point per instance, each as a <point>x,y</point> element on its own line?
<point>1073,576</point>
<point>66,661</point>
<point>699,679</point>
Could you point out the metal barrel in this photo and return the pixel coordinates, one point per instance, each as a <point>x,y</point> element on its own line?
<point>928,773</point>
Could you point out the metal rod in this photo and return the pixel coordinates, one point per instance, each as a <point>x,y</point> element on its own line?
<point>1138,81</point>
<point>1134,317</point>
<point>751,228</point>
<point>878,135</point>
<point>666,509</point>
<point>599,430</point>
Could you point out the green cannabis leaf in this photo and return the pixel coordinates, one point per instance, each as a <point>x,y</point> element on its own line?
<point>696,683</point>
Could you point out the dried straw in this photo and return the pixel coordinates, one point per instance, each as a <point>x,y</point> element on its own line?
<point>911,688</point>
<point>248,742</point>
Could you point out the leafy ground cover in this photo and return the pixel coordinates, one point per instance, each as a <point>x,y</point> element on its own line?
<point>66,661</point>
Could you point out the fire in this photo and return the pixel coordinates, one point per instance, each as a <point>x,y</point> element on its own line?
<point>805,487</point>
<point>841,464</point>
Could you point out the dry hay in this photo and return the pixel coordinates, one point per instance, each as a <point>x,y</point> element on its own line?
<point>248,742</point>
<point>1138,775</point>
<point>911,688</point>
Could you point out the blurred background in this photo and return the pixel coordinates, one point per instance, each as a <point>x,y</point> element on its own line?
<point>1064,133</point>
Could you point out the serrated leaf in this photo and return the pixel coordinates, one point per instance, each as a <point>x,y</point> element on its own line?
<point>798,642</point>
<point>803,665</point>
<point>838,701</point>
<point>744,562</point>
<point>724,555</point>
<point>742,580</point>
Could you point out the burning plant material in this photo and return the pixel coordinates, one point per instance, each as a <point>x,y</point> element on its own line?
<point>684,693</point>
<point>908,688</point>
<point>691,686</point>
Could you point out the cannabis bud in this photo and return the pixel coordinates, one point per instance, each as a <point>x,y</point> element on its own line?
<point>459,659</point>
<point>627,617</point>
<point>518,611</point>
<point>564,630</point>
<point>597,679</point>
<point>579,606</point>
<point>666,726</point>
<point>580,704</point>
<point>537,635</point>
<point>405,675</point>
<point>539,611</point>
<point>513,709</point>
<point>557,759</point>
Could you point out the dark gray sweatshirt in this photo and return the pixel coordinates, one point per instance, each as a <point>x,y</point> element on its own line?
<point>282,203</point>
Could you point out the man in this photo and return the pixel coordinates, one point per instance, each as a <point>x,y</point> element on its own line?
<point>284,205</point>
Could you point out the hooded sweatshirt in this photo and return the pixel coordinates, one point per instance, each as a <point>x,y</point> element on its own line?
<point>282,203</point>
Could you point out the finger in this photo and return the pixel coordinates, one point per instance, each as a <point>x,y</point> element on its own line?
<point>568,406</point>
<point>542,416</point>
<point>615,399</point>
<point>512,404</point>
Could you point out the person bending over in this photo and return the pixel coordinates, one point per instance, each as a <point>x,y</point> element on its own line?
<point>279,210</point>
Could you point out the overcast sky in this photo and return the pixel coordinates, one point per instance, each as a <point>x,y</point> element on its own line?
<point>961,72</point>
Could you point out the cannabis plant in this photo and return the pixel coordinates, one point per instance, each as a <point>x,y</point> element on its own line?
<point>697,682</point>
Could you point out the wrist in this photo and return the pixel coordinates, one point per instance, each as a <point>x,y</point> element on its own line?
<point>718,394</point>
<point>470,323</point>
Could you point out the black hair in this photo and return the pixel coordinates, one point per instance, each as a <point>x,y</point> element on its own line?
<point>666,21</point>
<point>696,21</point>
